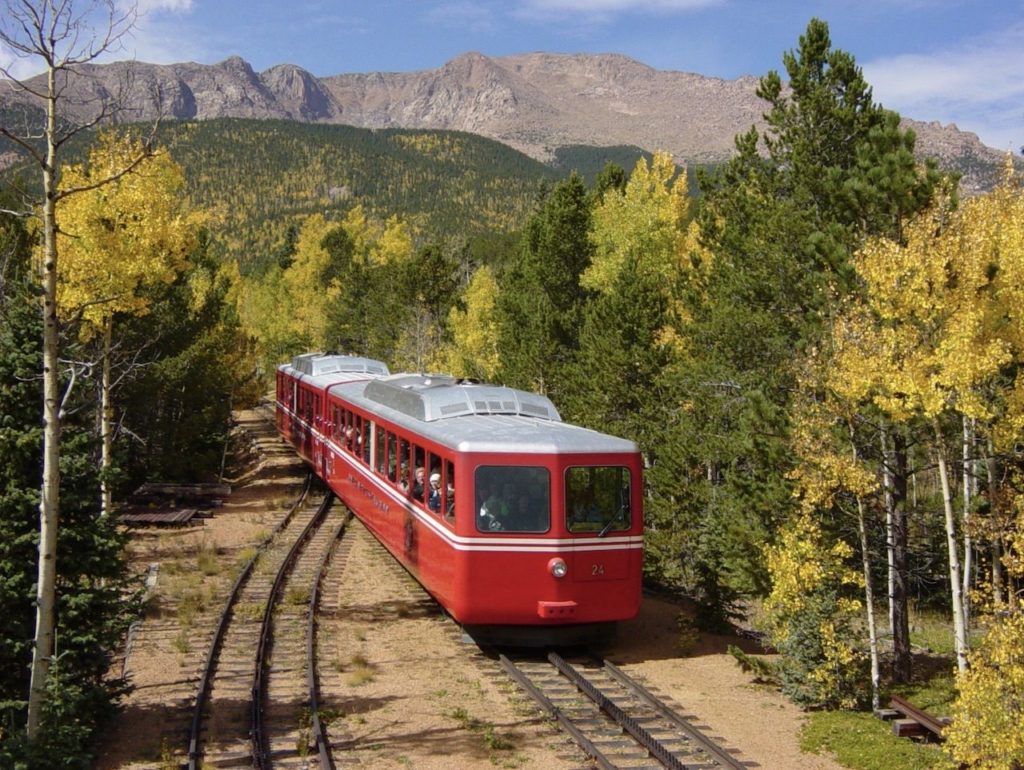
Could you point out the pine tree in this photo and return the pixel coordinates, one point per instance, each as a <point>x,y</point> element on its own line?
<point>96,597</point>
<point>541,301</point>
<point>781,221</point>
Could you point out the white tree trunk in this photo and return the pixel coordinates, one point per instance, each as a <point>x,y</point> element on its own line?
<point>997,534</point>
<point>869,602</point>
<point>968,440</point>
<point>49,502</point>
<point>955,586</point>
<point>106,424</point>
<point>890,536</point>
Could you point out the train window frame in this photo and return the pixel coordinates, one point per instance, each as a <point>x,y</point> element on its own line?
<point>380,453</point>
<point>419,460</point>
<point>504,520</point>
<point>404,464</point>
<point>448,490</point>
<point>367,440</point>
<point>391,461</point>
<point>578,521</point>
<point>432,466</point>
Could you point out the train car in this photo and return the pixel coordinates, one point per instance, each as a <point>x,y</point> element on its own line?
<point>525,528</point>
<point>300,391</point>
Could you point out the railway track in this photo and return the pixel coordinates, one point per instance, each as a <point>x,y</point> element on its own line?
<point>249,712</point>
<point>617,721</point>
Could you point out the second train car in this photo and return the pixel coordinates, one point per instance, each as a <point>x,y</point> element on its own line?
<point>525,528</point>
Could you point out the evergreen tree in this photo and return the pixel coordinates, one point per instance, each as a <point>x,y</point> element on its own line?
<point>172,429</point>
<point>612,379</point>
<point>96,598</point>
<point>540,305</point>
<point>781,226</point>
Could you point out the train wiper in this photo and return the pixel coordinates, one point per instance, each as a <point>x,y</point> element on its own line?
<point>611,522</point>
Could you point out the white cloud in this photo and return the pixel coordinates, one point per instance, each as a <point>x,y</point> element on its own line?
<point>978,85</point>
<point>161,34</point>
<point>17,66</point>
<point>155,6</point>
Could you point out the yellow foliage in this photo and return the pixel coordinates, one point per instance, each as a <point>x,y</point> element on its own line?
<point>826,464</point>
<point>943,313</point>
<point>306,298</point>
<point>289,310</point>
<point>118,238</point>
<point>642,223</point>
<point>473,351</point>
<point>819,666</point>
<point>988,723</point>
<point>803,563</point>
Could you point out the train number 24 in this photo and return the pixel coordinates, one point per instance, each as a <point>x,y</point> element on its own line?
<point>596,569</point>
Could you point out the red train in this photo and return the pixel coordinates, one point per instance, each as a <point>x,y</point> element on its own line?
<point>515,521</point>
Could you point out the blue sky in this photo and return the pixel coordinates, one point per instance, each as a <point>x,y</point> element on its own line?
<point>959,61</point>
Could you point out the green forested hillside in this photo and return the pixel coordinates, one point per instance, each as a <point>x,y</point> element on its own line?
<point>257,177</point>
<point>588,161</point>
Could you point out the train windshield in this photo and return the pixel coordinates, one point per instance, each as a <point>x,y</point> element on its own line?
<point>597,499</point>
<point>513,498</point>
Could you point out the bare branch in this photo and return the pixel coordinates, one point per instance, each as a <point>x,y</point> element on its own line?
<point>132,165</point>
<point>23,144</point>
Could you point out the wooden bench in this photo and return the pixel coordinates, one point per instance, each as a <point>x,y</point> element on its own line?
<point>917,722</point>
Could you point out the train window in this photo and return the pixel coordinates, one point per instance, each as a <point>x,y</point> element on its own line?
<point>357,433</point>
<point>448,491</point>
<point>391,453</point>
<point>512,498</point>
<point>403,464</point>
<point>367,437</point>
<point>419,476</point>
<point>597,499</point>
<point>381,451</point>
<point>432,491</point>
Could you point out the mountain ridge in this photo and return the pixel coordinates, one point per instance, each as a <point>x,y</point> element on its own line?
<point>534,102</point>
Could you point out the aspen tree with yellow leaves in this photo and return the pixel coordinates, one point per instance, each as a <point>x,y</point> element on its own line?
<point>344,288</point>
<point>60,38</point>
<point>117,241</point>
<point>644,222</point>
<point>473,351</point>
<point>937,328</point>
<point>809,615</point>
<point>828,474</point>
<point>988,716</point>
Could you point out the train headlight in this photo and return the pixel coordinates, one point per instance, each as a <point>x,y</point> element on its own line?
<point>558,567</point>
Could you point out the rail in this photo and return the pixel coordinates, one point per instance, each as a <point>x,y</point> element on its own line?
<point>210,664</point>
<point>258,734</point>
<point>319,733</point>
<point>695,736</point>
<point>692,749</point>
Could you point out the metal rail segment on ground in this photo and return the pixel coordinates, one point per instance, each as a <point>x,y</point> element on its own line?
<point>697,750</point>
<point>260,748</point>
<point>203,692</point>
<point>317,727</point>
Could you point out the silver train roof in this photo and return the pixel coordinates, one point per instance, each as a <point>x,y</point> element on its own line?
<point>474,417</point>
<point>317,364</point>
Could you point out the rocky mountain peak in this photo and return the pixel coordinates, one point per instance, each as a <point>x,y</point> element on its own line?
<point>299,93</point>
<point>535,102</point>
